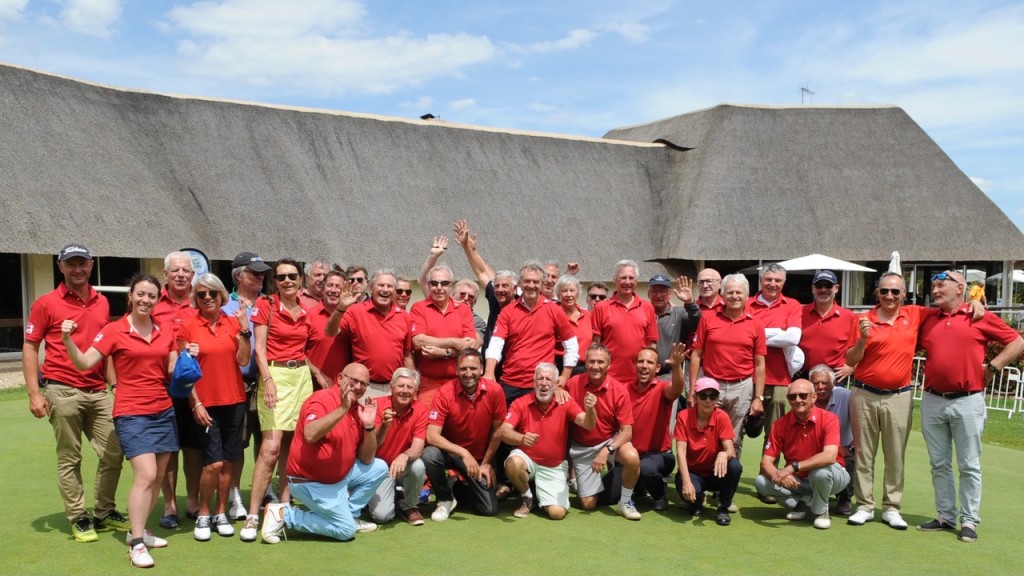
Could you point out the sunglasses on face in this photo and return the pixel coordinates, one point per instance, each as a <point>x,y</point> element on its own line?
<point>204,294</point>
<point>403,291</point>
<point>707,396</point>
<point>436,283</point>
<point>824,286</point>
<point>290,276</point>
<point>887,291</point>
<point>597,297</point>
<point>357,279</point>
<point>800,395</point>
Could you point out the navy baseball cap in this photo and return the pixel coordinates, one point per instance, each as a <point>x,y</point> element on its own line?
<point>826,275</point>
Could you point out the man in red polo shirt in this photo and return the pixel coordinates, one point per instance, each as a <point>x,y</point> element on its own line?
<point>441,328</point>
<point>375,332</point>
<point>651,401</point>
<point>953,408</point>
<point>709,284</point>
<point>826,327</point>
<point>730,347</point>
<point>331,465</point>
<point>609,440</point>
<point>625,322</point>
<point>461,436</point>
<point>539,427</point>
<point>316,276</point>
<point>401,437</point>
<point>808,438</point>
<point>329,353</point>
<point>76,402</point>
<point>526,334</point>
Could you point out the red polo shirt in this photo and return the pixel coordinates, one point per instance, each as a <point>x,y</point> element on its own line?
<point>221,384</point>
<point>141,367</point>
<point>613,408</point>
<point>889,353</point>
<point>551,427</point>
<point>287,337</point>
<point>403,430</point>
<point>170,314</point>
<point>455,322</point>
<point>584,329</point>
<point>329,354</point>
<point>728,347</point>
<point>783,313</point>
<point>717,305</point>
<point>44,320</point>
<point>329,459</point>
<point>466,421</point>
<point>825,339</point>
<point>379,341</point>
<point>624,331</point>
<point>702,446</point>
<point>651,414</point>
<point>956,349</point>
<point>530,338</point>
<point>800,440</point>
<point>306,300</point>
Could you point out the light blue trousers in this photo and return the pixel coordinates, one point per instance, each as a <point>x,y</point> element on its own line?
<point>958,422</point>
<point>333,508</point>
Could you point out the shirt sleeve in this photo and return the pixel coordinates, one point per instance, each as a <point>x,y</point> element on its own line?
<point>38,322</point>
<point>105,342</point>
<point>652,324</point>
<point>261,312</point>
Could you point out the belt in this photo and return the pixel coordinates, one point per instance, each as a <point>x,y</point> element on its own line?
<point>952,395</point>
<point>882,391</point>
<point>728,382</point>
<point>288,363</point>
<point>299,480</point>
<point>49,381</point>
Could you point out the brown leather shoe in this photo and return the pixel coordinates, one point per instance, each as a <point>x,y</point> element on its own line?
<point>413,516</point>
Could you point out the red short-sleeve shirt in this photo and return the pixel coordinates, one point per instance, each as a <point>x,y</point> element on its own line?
<point>800,440</point>
<point>584,329</point>
<point>613,408</point>
<point>44,320</point>
<point>141,367</point>
<point>889,354</point>
<point>221,384</point>
<point>455,322</point>
<point>403,430</point>
<point>378,341</point>
<point>728,346</point>
<point>466,421</point>
<point>825,339</point>
<point>625,331</point>
<point>702,446</point>
<point>530,338</point>
<point>784,313</point>
<point>956,349</point>
<point>651,415</point>
<point>171,314</point>
<point>287,337</point>
<point>328,353</point>
<point>329,459</point>
<point>551,427</point>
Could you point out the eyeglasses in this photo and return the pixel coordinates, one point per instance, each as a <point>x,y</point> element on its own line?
<point>466,295</point>
<point>204,294</point>
<point>800,395</point>
<point>290,276</point>
<point>362,383</point>
<point>436,283</point>
<point>707,395</point>
<point>597,297</point>
<point>403,291</point>
<point>707,281</point>
<point>824,285</point>
<point>358,279</point>
<point>944,276</point>
<point>887,291</point>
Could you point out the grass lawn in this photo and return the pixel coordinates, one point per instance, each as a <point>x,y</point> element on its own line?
<point>36,539</point>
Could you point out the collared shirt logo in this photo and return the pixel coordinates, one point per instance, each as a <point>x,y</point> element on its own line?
<point>98,338</point>
<point>30,328</point>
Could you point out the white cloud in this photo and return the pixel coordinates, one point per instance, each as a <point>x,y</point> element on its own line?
<point>632,31</point>
<point>462,104</point>
<point>986,186</point>
<point>423,103</point>
<point>11,9</point>
<point>92,17</point>
<point>575,39</point>
<point>325,47</point>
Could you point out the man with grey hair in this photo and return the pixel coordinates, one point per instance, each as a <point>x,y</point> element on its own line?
<point>316,273</point>
<point>730,347</point>
<point>625,323</point>
<point>466,291</point>
<point>401,437</point>
<point>709,286</point>
<point>441,328</point>
<point>499,287</point>
<point>836,401</point>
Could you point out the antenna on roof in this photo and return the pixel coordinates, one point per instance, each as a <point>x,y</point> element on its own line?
<point>804,90</point>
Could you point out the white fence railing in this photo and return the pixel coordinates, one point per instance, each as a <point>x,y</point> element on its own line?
<point>1005,393</point>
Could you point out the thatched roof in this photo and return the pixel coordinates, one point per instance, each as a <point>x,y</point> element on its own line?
<point>139,175</point>
<point>757,182</point>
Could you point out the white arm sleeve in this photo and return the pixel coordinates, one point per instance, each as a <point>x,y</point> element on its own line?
<point>572,352</point>
<point>495,348</point>
<point>789,337</point>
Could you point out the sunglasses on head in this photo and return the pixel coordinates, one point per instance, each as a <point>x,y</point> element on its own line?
<point>800,395</point>
<point>944,276</point>
<point>887,291</point>
<point>403,291</point>
<point>290,276</point>
<point>204,294</point>
<point>707,395</point>
<point>597,297</point>
<point>436,283</point>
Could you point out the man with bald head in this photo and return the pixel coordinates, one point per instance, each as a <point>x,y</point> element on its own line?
<point>808,438</point>
<point>709,283</point>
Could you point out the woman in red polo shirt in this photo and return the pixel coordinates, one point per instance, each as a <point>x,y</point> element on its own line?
<point>283,333</point>
<point>143,355</point>
<point>568,291</point>
<point>218,398</point>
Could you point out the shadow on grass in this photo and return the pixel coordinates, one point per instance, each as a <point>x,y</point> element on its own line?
<point>53,523</point>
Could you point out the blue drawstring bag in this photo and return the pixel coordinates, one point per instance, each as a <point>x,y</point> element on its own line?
<point>186,374</point>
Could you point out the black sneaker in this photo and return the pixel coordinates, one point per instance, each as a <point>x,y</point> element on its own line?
<point>723,518</point>
<point>112,521</point>
<point>967,534</point>
<point>934,526</point>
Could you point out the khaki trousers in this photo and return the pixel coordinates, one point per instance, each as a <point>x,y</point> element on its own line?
<point>885,417</point>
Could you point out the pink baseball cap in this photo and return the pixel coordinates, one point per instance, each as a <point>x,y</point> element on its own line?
<point>706,384</point>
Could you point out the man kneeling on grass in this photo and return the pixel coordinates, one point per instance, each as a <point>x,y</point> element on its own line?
<point>539,427</point>
<point>331,466</point>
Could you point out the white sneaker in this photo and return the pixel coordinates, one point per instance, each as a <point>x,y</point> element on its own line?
<point>823,522</point>
<point>861,516</point>
<point>140,557</point>
<point>273,523</point>
<point>364,526</point>
<point>443,510</point>
<point>148,539</point>
<point>733,508</point>
<point>202,530</point>
<point>627,510</point>
<point>798,513</point>
<point>224,528</point>
<point>892,517</point>
<point>250,528</point>
<point>237,510</point>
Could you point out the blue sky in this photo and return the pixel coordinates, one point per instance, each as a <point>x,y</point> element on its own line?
<point>575,67</point>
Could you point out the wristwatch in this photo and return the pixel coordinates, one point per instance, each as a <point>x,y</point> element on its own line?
<point>245,333</point>
<point>992,368</point>
<point>611,449</point>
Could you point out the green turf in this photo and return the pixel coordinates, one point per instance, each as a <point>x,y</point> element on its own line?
<point>35,537</point>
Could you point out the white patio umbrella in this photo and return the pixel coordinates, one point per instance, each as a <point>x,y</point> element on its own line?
<point>1018,276</point>
<point>974,275</point>
<point>822,262</point>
